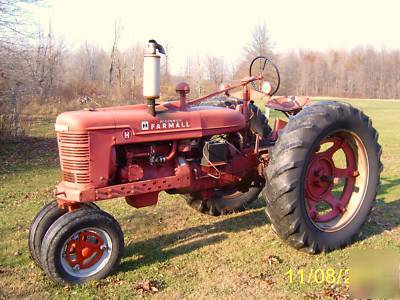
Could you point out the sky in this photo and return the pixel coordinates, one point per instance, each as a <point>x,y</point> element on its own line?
<point>223,28</point>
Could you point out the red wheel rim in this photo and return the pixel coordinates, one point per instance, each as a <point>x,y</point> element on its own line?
<point>323,175</point>
<point>84,250</point>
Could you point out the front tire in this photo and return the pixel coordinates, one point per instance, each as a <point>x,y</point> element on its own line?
<point>82,245</point>
<point>42,222</point>
<point>305,204</point>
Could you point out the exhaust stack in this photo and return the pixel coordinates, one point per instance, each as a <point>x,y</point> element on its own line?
<point>151,75</point>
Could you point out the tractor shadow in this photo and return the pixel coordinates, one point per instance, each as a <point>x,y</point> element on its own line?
<point>164,247</point>
<point>385,215</point>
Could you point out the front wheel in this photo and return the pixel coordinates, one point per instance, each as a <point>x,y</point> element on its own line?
<point>82,245</point>
<point>323,177</point>
<point>42,222</point>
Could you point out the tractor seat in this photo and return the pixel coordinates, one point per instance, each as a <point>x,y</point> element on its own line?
<point>291,103</point>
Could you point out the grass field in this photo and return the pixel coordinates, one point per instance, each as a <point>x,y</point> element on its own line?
<point>190,255</point>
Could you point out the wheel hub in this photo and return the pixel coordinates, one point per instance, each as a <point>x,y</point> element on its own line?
<point>84,250</point>
<point>318,178</point>
<point>322,176</point>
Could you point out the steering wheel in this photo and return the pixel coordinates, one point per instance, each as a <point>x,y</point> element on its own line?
<point>262,65</point>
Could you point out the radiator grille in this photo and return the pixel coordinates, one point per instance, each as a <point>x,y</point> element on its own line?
<point>74,156</point>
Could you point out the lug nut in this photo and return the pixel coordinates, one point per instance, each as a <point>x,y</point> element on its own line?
<point>76,268</point>
<point>340,208</point>
<point>103,247</point>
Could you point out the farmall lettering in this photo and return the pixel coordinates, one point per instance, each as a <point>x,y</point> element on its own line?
<point>165,124</point>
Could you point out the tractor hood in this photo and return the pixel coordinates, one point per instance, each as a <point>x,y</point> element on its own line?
<point>136,125</point>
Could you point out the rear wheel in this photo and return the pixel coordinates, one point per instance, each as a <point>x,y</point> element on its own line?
<point>42,222</point>
<point>82,245</point>
<point>323,177</point>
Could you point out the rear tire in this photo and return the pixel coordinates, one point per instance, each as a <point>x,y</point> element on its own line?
<point>82,245</point>
<point>293,188</point>
<point>42,222</point>
<point>224,203</point>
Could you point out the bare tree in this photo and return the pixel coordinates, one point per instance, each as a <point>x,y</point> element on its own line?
<point>137,69</point>
<point>118,27</point>
<point>46,65</point>
<point>14,21</point>
<point>215,69</point>
<point>194,72</point>
<point>260,43</point>
<point>165,63</point>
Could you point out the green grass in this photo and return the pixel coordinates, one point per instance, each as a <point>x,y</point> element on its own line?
<point>194,256</point>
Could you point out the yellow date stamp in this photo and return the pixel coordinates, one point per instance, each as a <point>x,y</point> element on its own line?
<point>318,276</point>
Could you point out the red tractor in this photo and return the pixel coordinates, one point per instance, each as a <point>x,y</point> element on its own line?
<point>318,172</point>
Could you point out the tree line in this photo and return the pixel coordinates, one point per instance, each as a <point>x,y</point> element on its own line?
<point>40,75</point>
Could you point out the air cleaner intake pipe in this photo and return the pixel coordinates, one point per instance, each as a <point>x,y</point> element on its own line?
<point>151,75</point>
<point>182,89</point>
